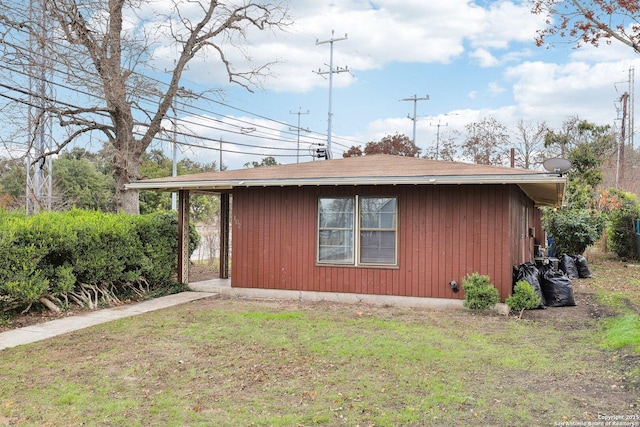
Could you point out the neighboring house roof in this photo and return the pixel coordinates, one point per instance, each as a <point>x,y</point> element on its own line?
<point>545,189</point>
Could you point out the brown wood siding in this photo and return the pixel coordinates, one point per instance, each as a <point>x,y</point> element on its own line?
<point>539,238</point>
<point>521,243</point>
<point>444,233</point>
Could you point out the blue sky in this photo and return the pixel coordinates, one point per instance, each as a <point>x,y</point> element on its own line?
<point>474,59</point>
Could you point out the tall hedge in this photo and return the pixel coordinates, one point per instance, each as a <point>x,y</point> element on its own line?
<point>54,253</point>
<point>158,234</point>
<point>622,230</point>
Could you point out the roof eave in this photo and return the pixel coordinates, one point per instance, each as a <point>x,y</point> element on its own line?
<point>171,185</point>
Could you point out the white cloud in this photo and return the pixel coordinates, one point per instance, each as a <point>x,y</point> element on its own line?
<point>495,88</point>
<point>484,57</point>
<point>575,88</point>
<point>504,22</point>
<point>378,33</point>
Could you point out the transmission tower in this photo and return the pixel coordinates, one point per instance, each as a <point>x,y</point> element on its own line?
<point>39,166</point>
<point>331,72</point>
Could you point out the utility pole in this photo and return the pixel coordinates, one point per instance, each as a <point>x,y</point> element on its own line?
<point>438,137</point>
<point>631,108</point>
<point>331,72</point>
<point>220,166</point>
<point>299,113</point>
<point>624,99</point>
<point>415,100</point>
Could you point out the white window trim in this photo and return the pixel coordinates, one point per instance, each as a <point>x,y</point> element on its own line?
<point>356,234</point>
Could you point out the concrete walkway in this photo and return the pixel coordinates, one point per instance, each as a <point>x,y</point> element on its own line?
<point>43,331</point>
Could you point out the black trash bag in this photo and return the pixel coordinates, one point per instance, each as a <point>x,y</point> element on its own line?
<point>530,274</point>
<point>583,268</point>
<point>568,266</point>
<point>557,288</point>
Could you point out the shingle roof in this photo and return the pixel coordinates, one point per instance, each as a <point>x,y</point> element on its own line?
<point>380,169</point>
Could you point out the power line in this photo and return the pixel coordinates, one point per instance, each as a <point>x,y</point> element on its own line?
<point>185,108</point>
<point>185,104</point>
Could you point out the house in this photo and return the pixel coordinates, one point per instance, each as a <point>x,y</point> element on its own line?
<point>376,224</point>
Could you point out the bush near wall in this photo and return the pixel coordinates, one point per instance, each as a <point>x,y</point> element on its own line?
<point>622,231</point>
<point>85,256</point>
<point>479,292</point>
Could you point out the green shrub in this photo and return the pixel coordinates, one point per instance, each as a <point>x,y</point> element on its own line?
<point>523,298</point>
<point>57,253</point>
<point>573,230</point>
<point>22,278</point>
<point>479,292</point>
<point>158,234</point>
<point>621,231</point>
<point>107,249</point>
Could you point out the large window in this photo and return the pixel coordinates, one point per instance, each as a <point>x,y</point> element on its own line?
<point>361,229</point>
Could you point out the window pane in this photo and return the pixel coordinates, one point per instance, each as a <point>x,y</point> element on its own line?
<point>335,245</point>
<point>336,213</point>
<point>335,230</point>
<point>378,230</point>
<point>378,247</point>
<point>378,212</point>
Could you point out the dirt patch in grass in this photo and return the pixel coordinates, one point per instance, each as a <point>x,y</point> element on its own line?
<point>202,271</point>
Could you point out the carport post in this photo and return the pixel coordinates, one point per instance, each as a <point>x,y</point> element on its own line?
<point>224,235</point>
<point>183,236</point>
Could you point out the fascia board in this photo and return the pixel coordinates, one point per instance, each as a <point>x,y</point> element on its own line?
<point>331,181</point>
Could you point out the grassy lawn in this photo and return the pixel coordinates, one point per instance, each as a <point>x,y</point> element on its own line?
<point>227,362</point>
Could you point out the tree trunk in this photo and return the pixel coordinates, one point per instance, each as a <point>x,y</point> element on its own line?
<point>125,171</point>
<point>129,202</point>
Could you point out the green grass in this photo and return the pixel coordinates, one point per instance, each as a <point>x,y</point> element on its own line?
<point>229,363</point>
<point>623,331</point>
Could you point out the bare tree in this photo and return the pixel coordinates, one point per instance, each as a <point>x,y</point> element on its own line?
<point>105,48</point>
<point>447,149</point>
<point>590,22</point>
<point>529,145</point>
<point>486,142</point>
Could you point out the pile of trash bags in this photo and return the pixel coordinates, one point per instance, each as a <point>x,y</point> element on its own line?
<point>553,285</point>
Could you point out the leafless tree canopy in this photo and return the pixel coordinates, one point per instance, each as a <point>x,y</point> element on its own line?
<point>96,58</point>
<point>486,142</point>
<point>529,144</point>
